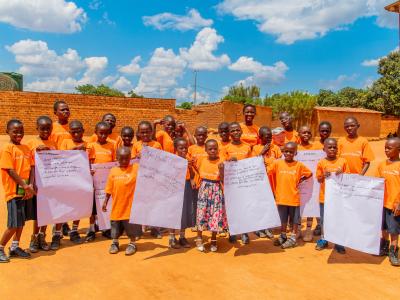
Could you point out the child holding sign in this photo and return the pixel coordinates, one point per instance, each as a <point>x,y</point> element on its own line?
<point>120,186</point>
<point>390,170</point>
<point>211,213</point>
<point>288,174</point>
<point>181,149</point>
<point>355,149</point>
<point>44,126</point>
<point>144,132</point>
<point>327,166</point>
<point>16,173</point>
<point>101,151</point>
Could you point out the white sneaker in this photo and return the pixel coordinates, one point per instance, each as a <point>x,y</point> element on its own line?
<point>308,237</point>
<point>213,248</point>
<point>200,245</point>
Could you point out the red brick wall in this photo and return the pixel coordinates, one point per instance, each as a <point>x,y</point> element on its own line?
<point>389,125</point>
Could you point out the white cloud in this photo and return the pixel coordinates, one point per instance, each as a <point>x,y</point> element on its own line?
<point>105,19</point>
<point>200,55</point>
<point>123,84</point>
<point>191,21</point>
<point>161,73</point>
<point>338,83</point>
<point>368,82</point>
<point>95,4</point>
<point>95,67</point>
<point>132,68</point>
<point>42,15</point>
<point>186,94</point>
<point>261,74</point>
<point>375,62</point>
<point>295,20</point>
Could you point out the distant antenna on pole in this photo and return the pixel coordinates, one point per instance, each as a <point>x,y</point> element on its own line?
<point>195,87</point>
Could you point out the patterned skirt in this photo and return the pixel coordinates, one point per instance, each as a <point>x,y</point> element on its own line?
<point>211,215</point>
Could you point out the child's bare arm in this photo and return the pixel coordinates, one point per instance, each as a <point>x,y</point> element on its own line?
<point>104,208</point>
<point>365,168</point>
<point>221,171</point>
<point>29,192</point>
<point>305,177</point>
<point>188,134</point>
<point>265,149</point>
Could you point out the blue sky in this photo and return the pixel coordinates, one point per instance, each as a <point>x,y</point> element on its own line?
<point>154,46</point>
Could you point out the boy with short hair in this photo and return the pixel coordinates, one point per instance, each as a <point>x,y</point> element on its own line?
<point>291,135</point>
<point>120,186</point>
<point>113,137</point>
<point>390,170</point>
<point>223,132</point>
<point>325,130</point>
<point>355,149</point>
<point>127,135</point>
<point>249,129</point>
<point>16,174</point>
<point>165,136</point>
<point>325,167</point>
<point>288,174</point>
<point>60,130</point>
<point>145,133</point>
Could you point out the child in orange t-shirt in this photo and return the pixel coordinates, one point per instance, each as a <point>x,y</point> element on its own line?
<point>120,186</point>
<point>145,133</point>
<point>182,131</point>
<point>249,130</point>
<point>355,149</point>
<point>325,130</point>
<point>60,128</point>
<point>44,126</point>
<point>166,136</point>
<point>224,137</point>
<point>16,173</point>
<point>325,167</point>
<point>127,136</point>
<point>113,137</point>
<point>288,174</point>
<point>211,213</point>
<point>188,209</point>
<point>390,170</point>
<point>291,135</point>
<point>101,151</point>
<point>237,150</point>
<point>270,152</point>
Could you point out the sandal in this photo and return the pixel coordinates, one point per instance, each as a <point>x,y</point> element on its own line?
<point>290,243</point>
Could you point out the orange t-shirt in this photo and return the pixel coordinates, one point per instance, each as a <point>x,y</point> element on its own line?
<point>138,146</point>
<point>325,165</point>
<point>199,153</point>
<point>292,136</point>
<point>113,138</point>
<point>241,151</point>
<point>34,143</point>
<point>222,145</point>
<point>310,146</point>
<point>70,144</point>
<point>208,169</point>
<point>165,141</point>
<point>101,153</point>
<point>318,145</point>
<point>391,172</point>
<point>121,185</point>
<point>60,133</point>
<point>287,177</point>
<point>249,134</point>
<point>273,154</point>
<point>18,158</point>
<point>356,151</point>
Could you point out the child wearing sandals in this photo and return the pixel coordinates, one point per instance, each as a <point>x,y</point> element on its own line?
<point>187,221</point>
<point>211,213</point>
<point>120,186</point>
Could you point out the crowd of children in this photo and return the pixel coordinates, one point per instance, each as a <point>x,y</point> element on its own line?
<point>206,151</point>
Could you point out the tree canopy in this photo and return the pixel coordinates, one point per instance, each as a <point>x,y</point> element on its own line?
<point>100,90</point>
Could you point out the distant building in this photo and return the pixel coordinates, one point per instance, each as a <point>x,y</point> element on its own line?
<point>11,82</point>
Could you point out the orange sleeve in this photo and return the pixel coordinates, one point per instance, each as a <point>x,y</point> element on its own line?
<point>114,153</point>
<point>109,185</point>
<point>378,172</point>
<point>159,137</point>
<point>6,161</point>
<point>367,154</point>
<point>320,170</point>
<point>271,169</point>
<point>304,171</point>
<point>91,152</point>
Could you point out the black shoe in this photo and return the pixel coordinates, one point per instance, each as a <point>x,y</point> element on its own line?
<point>232,239</point>
<point>155,233</point>
<point>42,242</point>
<point>34,244</point>
<point>184,242</point>
<point>96,228</point>
<point>65,229</point>
<point>3,257</point>
<point>261,234</point>
<point>340,249</point>
<point>394,256</point>
<point>245,239</point>
<point>384,247</point>
<point>75,237</point>
<point>106,233</point>
<point>18,252</point>
<point>55,242</point>
<point>90,237</point>
<point>173,244</point>
<point>280,240</point>
<point>317,230</point>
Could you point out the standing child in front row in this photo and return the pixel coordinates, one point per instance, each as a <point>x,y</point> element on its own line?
<point>211,213</point>
<point>390,170</point>
<point>288,174</point>
<point>181,149</point>
<point>120,186</point>
<point>325,167</point>
<point>101,151</point>
<point>16,173</point>
<point>44,126</point>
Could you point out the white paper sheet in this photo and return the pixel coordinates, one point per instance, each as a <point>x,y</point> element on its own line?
<point>249,201</point>
<point>353,211</point>
<point>158,199</point>
<point>309,189</point>
<point>65,186</point>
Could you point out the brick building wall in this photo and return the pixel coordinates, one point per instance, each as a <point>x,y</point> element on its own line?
<point>390,125</point>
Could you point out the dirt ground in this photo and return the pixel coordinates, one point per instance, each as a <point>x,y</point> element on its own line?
<point>258,270</point>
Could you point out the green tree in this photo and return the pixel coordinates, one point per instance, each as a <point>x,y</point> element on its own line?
<point>242,94</point>
<point>100,90</point>
<point>346,97</point>
<point>185,105</point>
<point>132,94</point>
<point>384,94</point>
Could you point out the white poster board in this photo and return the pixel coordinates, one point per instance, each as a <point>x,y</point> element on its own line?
<point>250,204</point>
<point>158,199</point>
<point>353,211</point>
<point>65,186</point>
<point>309,189</point>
